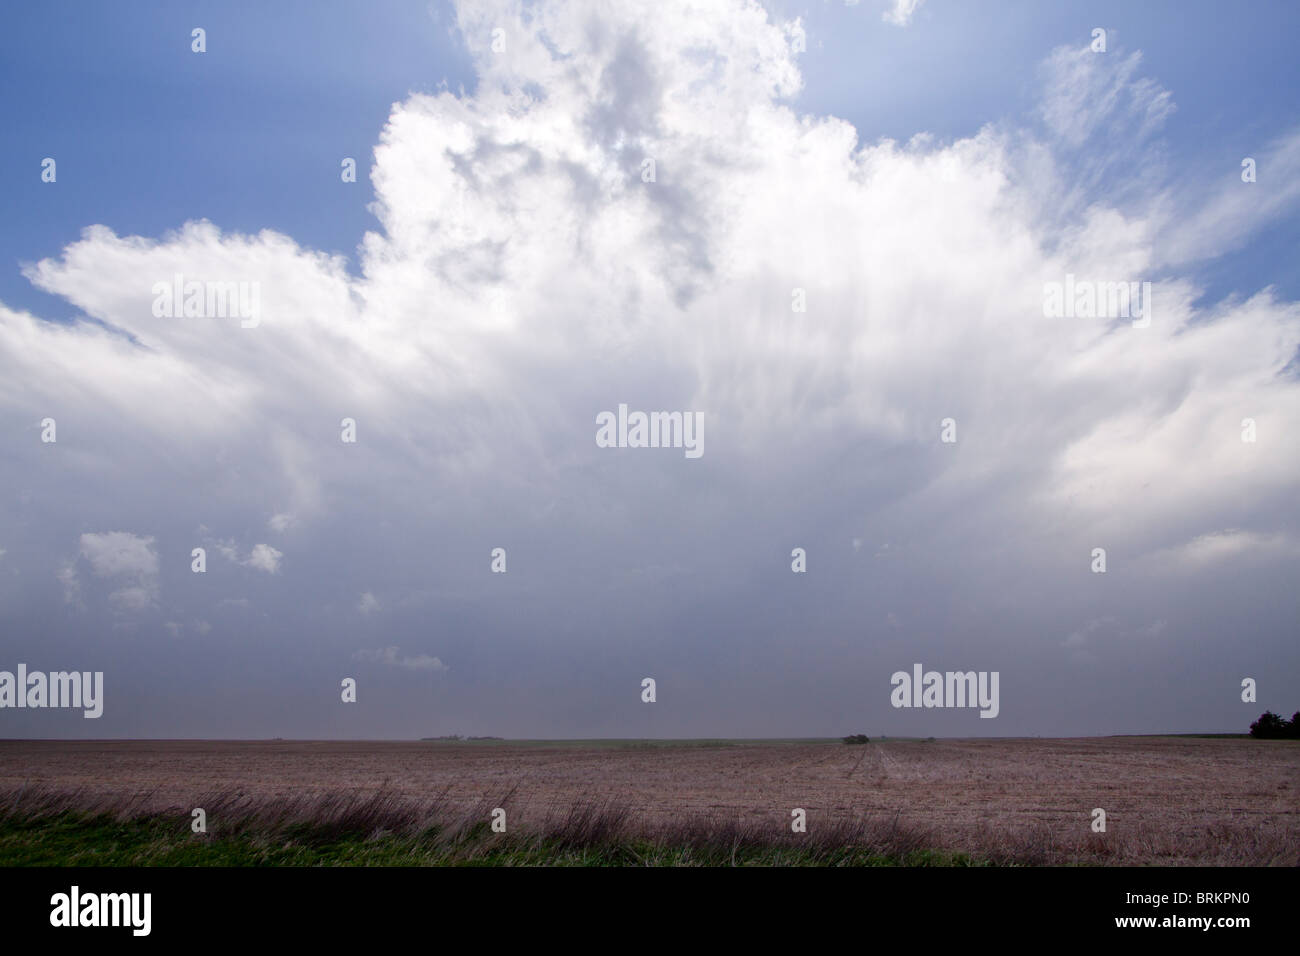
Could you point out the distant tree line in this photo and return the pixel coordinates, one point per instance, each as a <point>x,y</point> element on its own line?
<point>1271,726</point>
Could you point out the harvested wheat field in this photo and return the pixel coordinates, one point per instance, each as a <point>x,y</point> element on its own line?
<point>1168,800</point>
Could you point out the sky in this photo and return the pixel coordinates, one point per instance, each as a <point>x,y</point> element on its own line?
<point>839,263</point>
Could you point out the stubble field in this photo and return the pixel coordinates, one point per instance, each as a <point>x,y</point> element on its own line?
<point>1168,800</point>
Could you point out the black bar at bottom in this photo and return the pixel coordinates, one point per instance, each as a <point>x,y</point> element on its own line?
<point>335,905</point>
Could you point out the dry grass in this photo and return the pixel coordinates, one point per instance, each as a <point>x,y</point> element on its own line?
<point>342,826</point>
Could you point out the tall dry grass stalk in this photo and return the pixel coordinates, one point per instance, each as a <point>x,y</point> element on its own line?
<point>595,827</point>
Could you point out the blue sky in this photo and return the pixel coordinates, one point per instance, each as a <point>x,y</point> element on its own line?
<point>511,274</point>
<point>249,135</point>
<point>148,134</point>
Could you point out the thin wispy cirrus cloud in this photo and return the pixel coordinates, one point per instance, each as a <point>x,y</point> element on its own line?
<point>523,276</point>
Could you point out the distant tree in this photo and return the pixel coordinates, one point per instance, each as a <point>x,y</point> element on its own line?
<point>856,739</point>
<point>1271,726</point>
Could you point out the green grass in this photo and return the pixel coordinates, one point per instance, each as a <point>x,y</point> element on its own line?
<point>78,839</point>
<point>45,827</point>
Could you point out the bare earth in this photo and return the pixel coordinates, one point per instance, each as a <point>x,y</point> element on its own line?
<point>1167,800</point>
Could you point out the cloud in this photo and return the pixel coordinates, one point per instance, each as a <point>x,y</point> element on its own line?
<point>1221,546</point>
<point>120,554</point>
<point>901,12</point>
<point>1087,635</point>
<point>389,657</point>
<point>1085,96</point>
<point>134,598</point>
<point>368,603</point>
<point>123,557</point>
<point>522,277</point>
<point>1232,210</point>
<point>424,662</point>
<point>281,522</point>
<point>263,557</point>
<point>71,584</point>
<point>912,279</point>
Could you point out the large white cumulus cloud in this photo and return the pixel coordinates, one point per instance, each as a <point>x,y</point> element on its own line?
<point>525,276</point>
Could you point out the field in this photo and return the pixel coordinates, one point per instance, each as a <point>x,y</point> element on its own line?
<point>1168,800</point>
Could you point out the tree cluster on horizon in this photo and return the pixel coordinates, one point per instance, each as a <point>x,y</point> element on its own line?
<point>1271,726</point>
